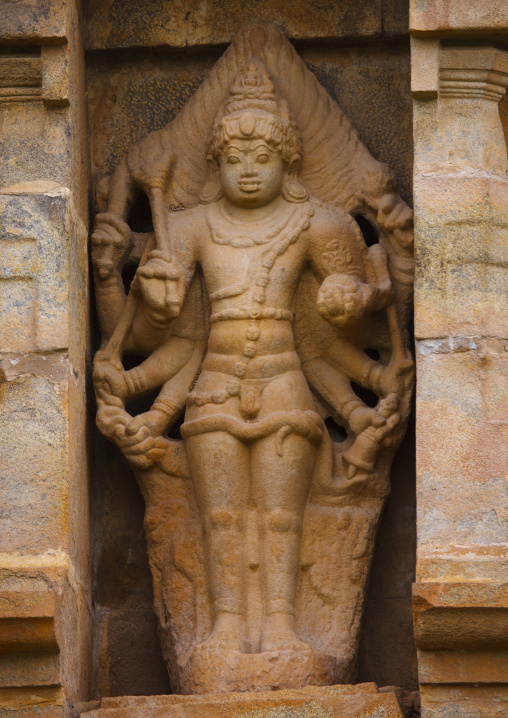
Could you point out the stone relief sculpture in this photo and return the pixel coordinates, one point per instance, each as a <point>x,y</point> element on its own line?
<point>263,318</point>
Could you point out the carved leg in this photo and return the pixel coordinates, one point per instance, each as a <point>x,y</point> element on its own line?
<point>219,467</point>
<point>280,486</point>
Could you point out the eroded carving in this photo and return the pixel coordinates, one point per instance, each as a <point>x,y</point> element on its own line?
<point>257,307</point>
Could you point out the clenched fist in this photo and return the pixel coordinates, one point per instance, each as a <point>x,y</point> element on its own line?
<point>162,286</point>
<point>342,299</point>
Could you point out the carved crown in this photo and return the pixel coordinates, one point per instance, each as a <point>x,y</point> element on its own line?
<point>253,109</point>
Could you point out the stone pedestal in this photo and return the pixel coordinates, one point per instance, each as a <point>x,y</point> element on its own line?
<point>360,701</point>
<point>460,599</point>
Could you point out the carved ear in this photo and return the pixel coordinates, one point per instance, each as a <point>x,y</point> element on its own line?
<point>292,190</point>
<point>212,190</point>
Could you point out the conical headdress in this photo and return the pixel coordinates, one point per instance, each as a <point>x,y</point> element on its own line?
<point>254,110</point>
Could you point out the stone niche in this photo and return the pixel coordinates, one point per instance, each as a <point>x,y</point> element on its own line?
<point>143,62</point>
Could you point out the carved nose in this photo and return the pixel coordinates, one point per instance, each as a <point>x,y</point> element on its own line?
<point>248,167</point>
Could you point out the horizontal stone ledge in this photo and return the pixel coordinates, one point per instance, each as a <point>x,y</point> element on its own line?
<point>44,187</point>
<point>26,21</point>
<point>462,666</point>
<point>458,16</point>
<point>15,701</point>
<point>28,634</point>
<point>455,170</point>
<point>347,701</point>
<point>463,615</point>
<point>459,594</point>
<point>471,564</point>
<point>179,25</point>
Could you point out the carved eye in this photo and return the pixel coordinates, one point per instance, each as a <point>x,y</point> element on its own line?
<point>233,160</point>
<point>262,159</point>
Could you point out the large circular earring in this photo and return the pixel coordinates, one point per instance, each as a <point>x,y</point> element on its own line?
<point>292,190</point>
<point>212,191</point>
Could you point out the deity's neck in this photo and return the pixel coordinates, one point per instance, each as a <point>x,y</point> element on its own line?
<point>254,215</point>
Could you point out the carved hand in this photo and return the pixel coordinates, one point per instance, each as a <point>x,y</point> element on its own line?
<point>342,299</point>
<point>109,381</point>
<point>162,286</point>
<point>139,446</point>
<point>397,376</point>
<point>396,217</point>
<point>362,417</point>
<point>111,421</point>
<point>110,242</point>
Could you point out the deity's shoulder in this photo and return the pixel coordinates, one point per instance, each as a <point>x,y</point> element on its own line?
<point>185,219</point>
<point>331,222</point>
<point>186,226</point>
<point>335,241</point>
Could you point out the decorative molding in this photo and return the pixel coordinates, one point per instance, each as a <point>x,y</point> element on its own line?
<point>20,78</point>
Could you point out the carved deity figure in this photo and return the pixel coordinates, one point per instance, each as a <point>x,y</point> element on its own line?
<point>253,307</point>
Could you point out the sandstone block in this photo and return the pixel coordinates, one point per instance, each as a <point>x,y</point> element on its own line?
<point>184,24</point>
<point>34,270</point>
<point>461,254</point>
<point>360,701</point>
<point>30,20</point>
<point>453,16</point>
<point>462,399</point>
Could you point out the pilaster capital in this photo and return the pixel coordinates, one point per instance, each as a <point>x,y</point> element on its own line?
<point>473,73</point>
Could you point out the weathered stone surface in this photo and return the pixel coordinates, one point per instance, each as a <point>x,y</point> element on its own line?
<point>34,273</point>
<point>460,701</point>
<point>185,24</point>
<point>458,16</point>
<point>272,614</point>
<point>155,89</point>
<point>33,140</point>
<point>461,191</point>
<point>462,495</point>
<point>45,601</point>
<point>34,20</point>
<point>361,701</point>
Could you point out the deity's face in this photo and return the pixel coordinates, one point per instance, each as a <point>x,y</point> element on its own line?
<point>251,172</point>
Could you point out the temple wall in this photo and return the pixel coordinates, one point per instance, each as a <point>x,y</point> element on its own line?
<point>78,85</point>
<point>138,68</point>
<point>45,550</point>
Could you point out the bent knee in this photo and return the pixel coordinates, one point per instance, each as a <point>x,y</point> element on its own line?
<point>282,521</point>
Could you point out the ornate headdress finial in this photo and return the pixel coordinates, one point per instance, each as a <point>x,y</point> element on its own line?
<point>252,89</point>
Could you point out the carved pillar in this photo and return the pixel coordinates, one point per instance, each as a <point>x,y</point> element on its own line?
<point>461,222</point>
<point>44,523</point>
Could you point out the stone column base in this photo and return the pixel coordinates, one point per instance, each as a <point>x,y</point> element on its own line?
<point>360,701</point>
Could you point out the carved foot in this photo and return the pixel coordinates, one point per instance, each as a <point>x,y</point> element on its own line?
<point>227,634</point>
<point>279,635</point>
<point>283,641</point>
<point>224,640</point>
